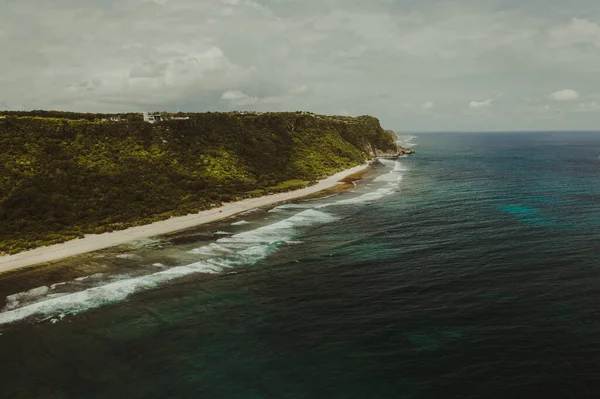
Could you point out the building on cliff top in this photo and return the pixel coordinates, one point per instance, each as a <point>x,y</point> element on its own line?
<point>152,117</point>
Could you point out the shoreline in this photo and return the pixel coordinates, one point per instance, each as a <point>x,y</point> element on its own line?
<point>96,242</point>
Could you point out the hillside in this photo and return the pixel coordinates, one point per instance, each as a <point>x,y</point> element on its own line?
<point>64,177</point>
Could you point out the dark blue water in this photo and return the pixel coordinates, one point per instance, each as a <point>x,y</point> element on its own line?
<point>469,270</point>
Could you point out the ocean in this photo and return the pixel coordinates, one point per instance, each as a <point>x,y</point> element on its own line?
<point>468,270</point>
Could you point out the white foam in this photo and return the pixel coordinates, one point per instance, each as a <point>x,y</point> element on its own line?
<point>93,276</point>
<point>387,161</point>
<point>389,178</point>
<point>223,233</point>
<point>294,206</point>
<point>406,141</point>
<point>399,167</point>
<point>53,286</point>
<point>372,196</point>
<point>210,250</point>
<point>240,249</point>
<point>240,223</point>
<point>392,178</point>
<point>98,296</point>
<point>11,304</point>
<point>13,301</point>
<point>250,211</point>
<point>251,246</point>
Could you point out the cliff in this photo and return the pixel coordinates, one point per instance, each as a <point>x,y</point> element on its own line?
<point>62,177</point>
<point>387,152</point>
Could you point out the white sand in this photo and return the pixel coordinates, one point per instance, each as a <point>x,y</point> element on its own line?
<point>95,242</point>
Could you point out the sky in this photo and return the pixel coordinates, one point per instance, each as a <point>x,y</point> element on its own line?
<point>417,65</point>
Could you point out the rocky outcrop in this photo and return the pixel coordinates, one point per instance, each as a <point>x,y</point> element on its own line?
<point>398,152</point>
<point>392,155</point>
<point>405,151</point>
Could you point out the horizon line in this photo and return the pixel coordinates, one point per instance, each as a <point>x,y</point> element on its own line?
<point>499,131</point>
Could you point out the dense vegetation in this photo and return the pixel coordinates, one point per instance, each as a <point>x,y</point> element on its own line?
<point>62,177</point>
<point>73,115</point>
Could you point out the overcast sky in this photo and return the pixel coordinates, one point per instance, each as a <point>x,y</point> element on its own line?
<point>418,65</point>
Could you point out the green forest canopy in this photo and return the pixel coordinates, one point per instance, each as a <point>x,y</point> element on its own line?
<point>66,174</point>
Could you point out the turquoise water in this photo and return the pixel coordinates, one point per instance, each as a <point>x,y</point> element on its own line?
<point>470,269</point>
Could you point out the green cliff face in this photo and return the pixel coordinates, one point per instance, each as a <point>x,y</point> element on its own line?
<point>61,178</point>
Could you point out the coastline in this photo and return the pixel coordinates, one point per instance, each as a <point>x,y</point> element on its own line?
<point>95,242</point>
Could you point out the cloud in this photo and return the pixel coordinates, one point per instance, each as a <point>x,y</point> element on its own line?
<point>481,104</point>
<point>565,95</point>
<point>364,57</point>
<point>428,105</point>
<point>266,11</point>
<point>238,98</point>
<point>576,32</point>
<point>149,69</point>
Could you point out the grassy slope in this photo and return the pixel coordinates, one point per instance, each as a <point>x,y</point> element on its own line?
<point>61,178</point>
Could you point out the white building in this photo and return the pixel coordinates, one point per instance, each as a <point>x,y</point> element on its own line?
<point>151,117</point>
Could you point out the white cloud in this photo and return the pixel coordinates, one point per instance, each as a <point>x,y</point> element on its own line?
<point>365,57</point>
<point>239,98</point>
<point>565,95</point>
<point>481,104</point>
<point>428,105</point>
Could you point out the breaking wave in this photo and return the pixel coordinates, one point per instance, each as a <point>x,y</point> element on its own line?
<point>406,140</point>
<point>242,249</point>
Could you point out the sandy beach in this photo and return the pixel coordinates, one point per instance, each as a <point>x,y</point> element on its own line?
<point>95,242</point>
